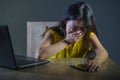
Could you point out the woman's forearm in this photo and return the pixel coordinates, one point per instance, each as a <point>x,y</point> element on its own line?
<point>51,50</point>
<point>102,55</point>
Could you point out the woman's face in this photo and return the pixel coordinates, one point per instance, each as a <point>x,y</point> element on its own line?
<point>75,25</point>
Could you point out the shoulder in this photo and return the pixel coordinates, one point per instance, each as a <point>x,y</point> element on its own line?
<point>58,30</point>
<point>94,39</point>
<point>51,33</point>
<point>48,35</point>
<point>91,34</point>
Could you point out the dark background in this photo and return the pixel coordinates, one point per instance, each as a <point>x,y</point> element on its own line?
<point>16,13</point>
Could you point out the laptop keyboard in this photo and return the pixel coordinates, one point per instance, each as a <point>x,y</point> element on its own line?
<point>22,60</point>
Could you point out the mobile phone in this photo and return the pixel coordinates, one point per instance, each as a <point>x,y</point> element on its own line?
<point>80,67</point>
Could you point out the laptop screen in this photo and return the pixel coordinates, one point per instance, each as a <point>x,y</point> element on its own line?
<point>7,58</point>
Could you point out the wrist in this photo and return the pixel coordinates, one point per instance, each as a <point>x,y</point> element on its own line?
<point>69,41</point>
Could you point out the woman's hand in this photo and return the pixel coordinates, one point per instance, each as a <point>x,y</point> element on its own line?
<point>93,65</point>
<point>73,37</point>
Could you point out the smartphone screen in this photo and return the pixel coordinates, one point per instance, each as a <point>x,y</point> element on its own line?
<point>80,67</point>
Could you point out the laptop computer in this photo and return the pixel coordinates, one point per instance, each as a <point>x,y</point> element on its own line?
<point>7,57</point>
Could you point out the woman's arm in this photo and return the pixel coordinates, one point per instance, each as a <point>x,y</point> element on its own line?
<point>47,49</point>
<point>101,54</point>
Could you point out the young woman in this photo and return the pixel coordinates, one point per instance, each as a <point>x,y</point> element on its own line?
<point>75,36</point>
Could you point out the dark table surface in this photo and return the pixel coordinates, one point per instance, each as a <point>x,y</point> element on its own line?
<point>59,69</point>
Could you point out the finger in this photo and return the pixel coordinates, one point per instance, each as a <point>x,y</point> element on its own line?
<point>98,68</point>
<point>95,68</point>
<point>92,68</point>
<point>82,33</point>
<point>88,65</point>
<point>78,38</point>
<point>78,31</point>
<point>76,34</point>
<point>74,31</point>
<point>71,31</point>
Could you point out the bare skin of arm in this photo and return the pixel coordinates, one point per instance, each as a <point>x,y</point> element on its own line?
<point>101,55</point>
<point>47,48</point>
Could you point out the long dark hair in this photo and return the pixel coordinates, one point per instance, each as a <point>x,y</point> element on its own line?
<point>80,11</point>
